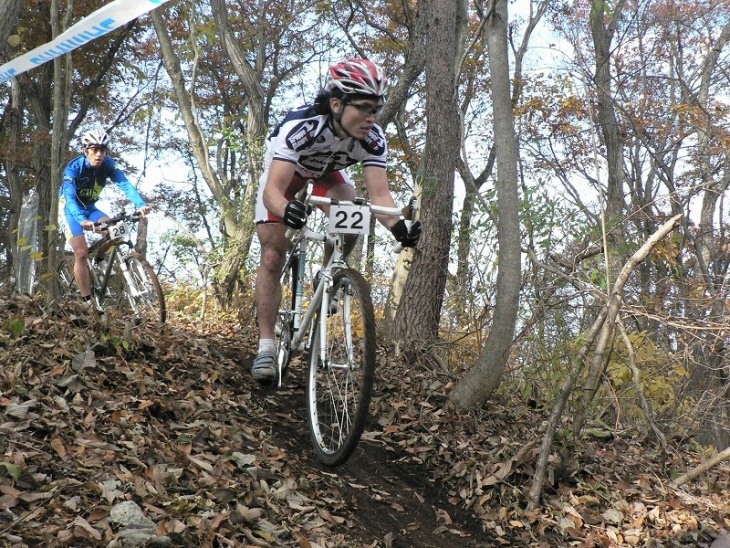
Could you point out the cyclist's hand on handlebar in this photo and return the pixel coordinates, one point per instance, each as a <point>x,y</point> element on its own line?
<point>295,215</point>
<point>88,225</point>
<point>144,210</point>
<point>406,237</point>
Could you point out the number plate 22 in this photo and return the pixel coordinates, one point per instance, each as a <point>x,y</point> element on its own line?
<point>118,231</point>
<point>349,219</point>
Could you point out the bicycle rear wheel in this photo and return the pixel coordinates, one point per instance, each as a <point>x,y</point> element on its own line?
<point>144,292</point>
<point>339,386</point>
<point>65,277</point>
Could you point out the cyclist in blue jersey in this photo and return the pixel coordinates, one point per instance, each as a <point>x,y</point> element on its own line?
<point>83,180</point>
<point>318,142</point>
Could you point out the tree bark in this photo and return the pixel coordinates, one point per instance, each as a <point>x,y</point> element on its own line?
<point>10,10</point>
<point>418,315</point>
<point>479,383</point>
<point>62,78</point>
<point>397,96</point>
<point>709,371</point>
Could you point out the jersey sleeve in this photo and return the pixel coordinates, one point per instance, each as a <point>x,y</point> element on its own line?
<point>376,148</point>
<point>117,176</point>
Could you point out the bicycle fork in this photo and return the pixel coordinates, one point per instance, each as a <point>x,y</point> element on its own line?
<point>134,289</point>
<point>331,302</point>
<point>131,286</point>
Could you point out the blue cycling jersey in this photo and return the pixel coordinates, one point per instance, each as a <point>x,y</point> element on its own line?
<point>82,184</point>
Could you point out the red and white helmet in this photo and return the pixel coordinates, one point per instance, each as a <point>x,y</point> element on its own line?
<point>357,77</point>
<point>95,137</point>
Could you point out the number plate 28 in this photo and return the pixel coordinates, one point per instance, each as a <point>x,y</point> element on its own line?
<point>118,231</point>
<point>349,219</point>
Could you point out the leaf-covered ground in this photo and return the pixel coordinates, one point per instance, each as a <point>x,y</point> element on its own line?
<point>113,434</point>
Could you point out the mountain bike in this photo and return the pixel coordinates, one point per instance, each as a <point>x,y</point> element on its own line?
<point>335,323</point>
<point>137,289</point>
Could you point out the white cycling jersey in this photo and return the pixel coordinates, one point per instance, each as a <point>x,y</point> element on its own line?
<point>308,140</point>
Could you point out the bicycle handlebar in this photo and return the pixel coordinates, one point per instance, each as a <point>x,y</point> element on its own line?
<point>378,210</point>
<point>134,217</point>
<point>408,212</point>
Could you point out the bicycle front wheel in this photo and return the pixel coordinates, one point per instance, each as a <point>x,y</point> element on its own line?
<point>341,369</point>
<point>144,292</point>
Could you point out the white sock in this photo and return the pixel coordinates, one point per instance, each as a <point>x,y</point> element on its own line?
<point>266,344</point>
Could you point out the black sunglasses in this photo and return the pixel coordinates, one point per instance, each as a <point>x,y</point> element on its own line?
<point>366,109</point>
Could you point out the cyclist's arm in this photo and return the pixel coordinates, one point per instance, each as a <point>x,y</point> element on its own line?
<point>278,180</point>
<point>118,176</point>
<point>376,179</point>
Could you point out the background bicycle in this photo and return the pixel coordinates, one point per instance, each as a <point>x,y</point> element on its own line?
<point>331,320</point>
<point>124,279</point>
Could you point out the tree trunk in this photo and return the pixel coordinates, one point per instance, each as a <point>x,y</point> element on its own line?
<point>462,287</point>
<point>603,28</point>
<point>62,78</point>
<point>397,96</point>
<point>711,371</point>
<point>238,240</point>
<point>41,106</point>
<point>255,136</point>
<point>10,10</point>
<point>479,383</point>
<point>10,157</point>
<point>417,318</point>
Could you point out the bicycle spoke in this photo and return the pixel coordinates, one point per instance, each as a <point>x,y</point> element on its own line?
<point>65,276</point>
<point>144,292</point>
<point>341,373</point>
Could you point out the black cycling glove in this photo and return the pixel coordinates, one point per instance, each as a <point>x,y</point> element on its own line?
<point>407,238</point>
<point>295,215</point>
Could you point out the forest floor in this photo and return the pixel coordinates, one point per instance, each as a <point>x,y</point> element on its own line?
<point>114,434</point>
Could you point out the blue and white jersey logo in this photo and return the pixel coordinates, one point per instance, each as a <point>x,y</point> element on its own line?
<point>301,135</point>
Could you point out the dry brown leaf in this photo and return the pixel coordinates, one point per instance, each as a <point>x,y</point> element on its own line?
<point>58,446</point>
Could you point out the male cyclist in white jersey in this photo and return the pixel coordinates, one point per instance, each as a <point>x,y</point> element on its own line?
<point>318,142</point>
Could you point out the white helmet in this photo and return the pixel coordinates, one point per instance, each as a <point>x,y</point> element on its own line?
<point>95,137</point>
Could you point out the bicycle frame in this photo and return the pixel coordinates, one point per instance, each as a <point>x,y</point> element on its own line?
<point>302,320</point>
<point>141,289</point>
<point>114,255</point>
<point>337,328</point>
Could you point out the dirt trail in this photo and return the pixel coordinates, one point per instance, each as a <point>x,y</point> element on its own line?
<point>391,501</point>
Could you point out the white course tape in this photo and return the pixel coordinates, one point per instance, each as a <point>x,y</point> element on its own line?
<point>99,23</point>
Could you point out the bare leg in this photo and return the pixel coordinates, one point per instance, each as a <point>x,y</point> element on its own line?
<point>268,288</point>
<point>81,267</point>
